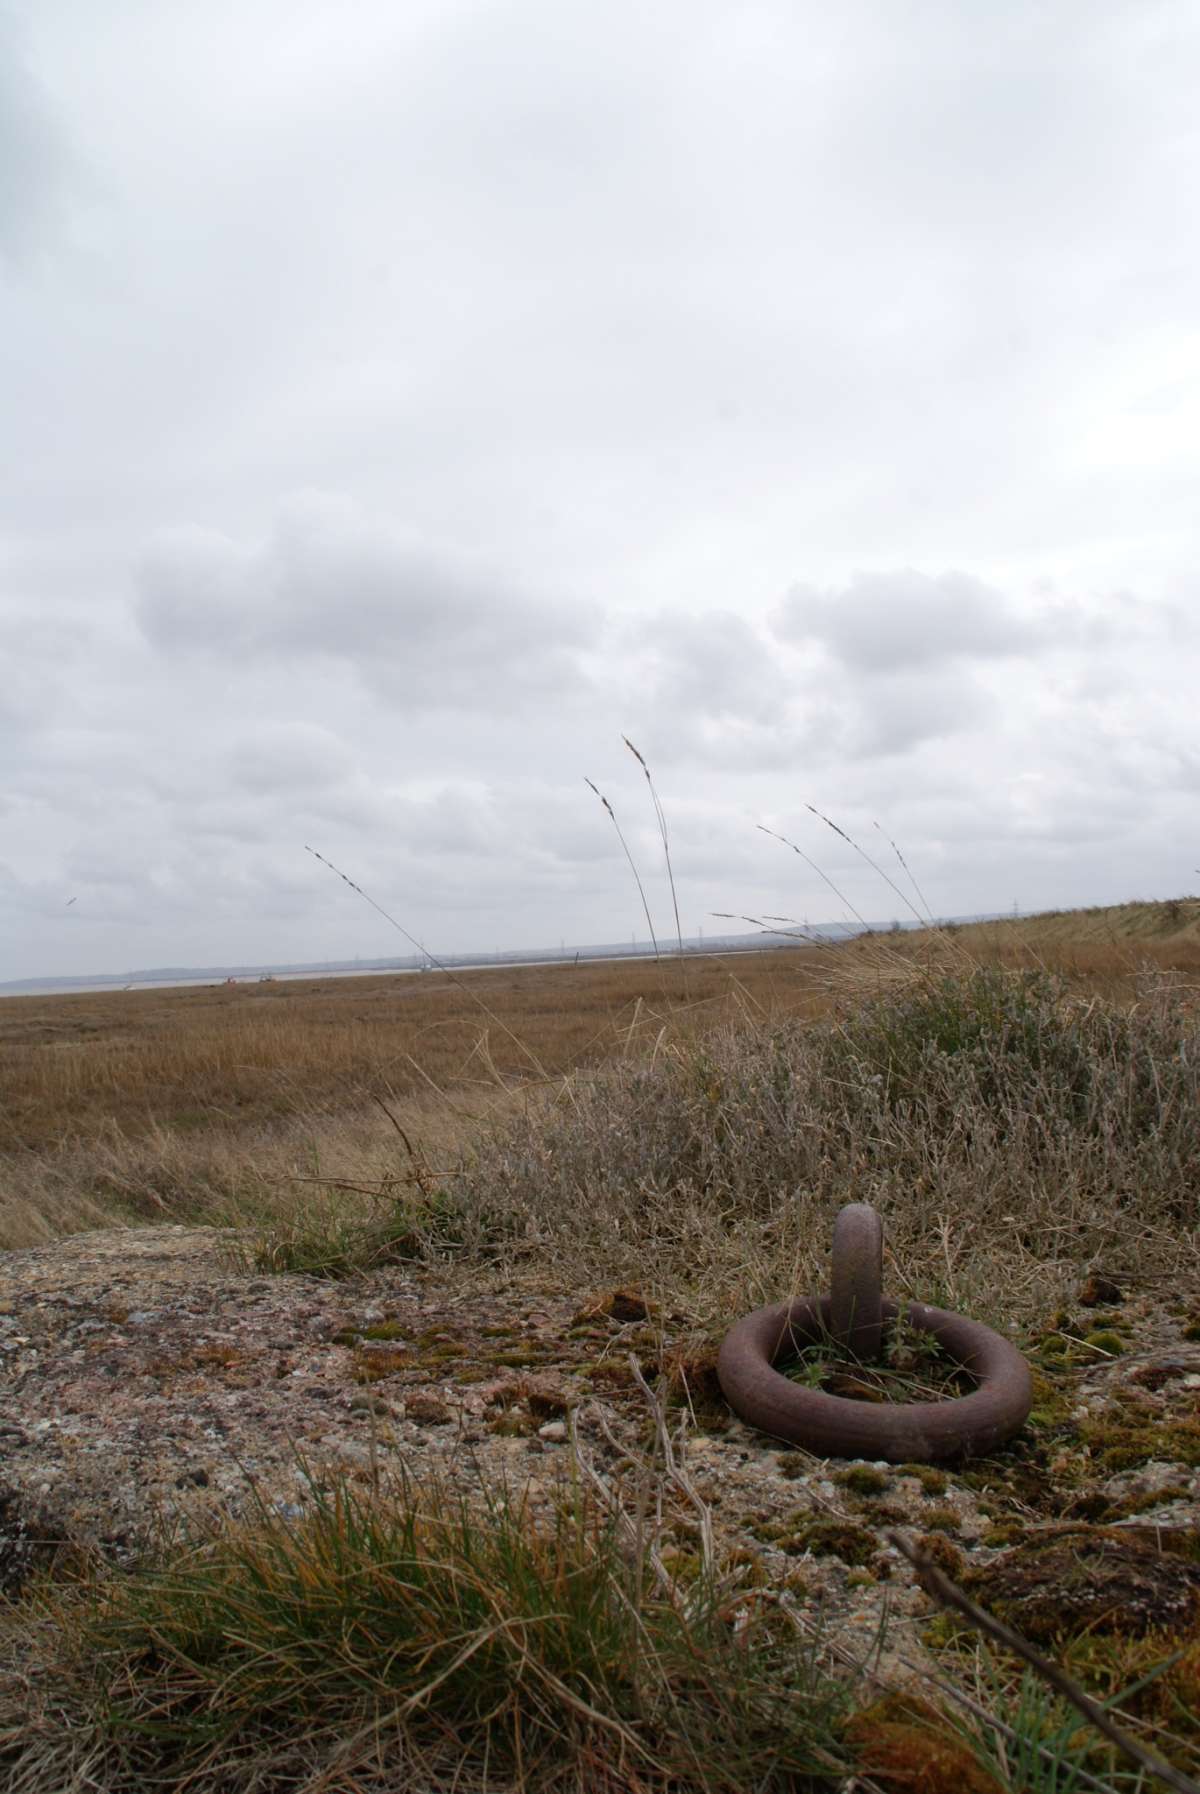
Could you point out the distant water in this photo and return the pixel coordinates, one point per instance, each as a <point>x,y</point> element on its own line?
<point>717,946</point>
<point>217,980</point>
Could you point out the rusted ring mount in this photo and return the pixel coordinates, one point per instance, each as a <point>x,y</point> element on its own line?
<point>855,1316</point>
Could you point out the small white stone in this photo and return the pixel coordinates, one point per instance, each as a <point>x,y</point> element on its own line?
<point>554,1431</point>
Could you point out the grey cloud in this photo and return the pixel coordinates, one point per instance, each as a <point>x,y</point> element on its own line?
<point>712,664</point>
<point>523,823</point>
<point>224,819</point>
<point>32,157</point>
<point>288,756</point>
<point>895,715</point>
<point>711,686</point>
<point>746,746</point>
<point>54,652</point>
<point>330,582</point>
<point>880,621</point>
<point>717,688</point>
<point>651,312</point>
<point>1123,617</point>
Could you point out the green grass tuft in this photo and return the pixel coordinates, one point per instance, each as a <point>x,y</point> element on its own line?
<point>524,1648</point>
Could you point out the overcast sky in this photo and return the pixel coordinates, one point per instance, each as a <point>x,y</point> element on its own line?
<point>402,401</point>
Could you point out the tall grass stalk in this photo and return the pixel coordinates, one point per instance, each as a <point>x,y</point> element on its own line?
<point>632,864</point>
<point>873,864</point>
<point>666,844</point>
<point>925,910</point>
<point>521,1045</point>
<point>820,872</point>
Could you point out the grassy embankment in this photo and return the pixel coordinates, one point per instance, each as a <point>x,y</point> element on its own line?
<point>1015,1127</point>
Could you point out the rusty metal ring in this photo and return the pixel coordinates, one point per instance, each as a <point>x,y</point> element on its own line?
<point>834,1426</point>
<point>856,1287</point>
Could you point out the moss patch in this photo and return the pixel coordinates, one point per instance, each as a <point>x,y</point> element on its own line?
<point>370,1367</point>
<point>862,1479</point>
<point>932,1481</point>
<point>522,1356</point>
<point>945,1555</point>
<point>903,1744</point>
<point>1106,1341</point>
<point>1135,1436</point>
<point>1055,1585</point>
<point>387,1330</point>
<point>801,1534</point>
<point>1146,1501</point>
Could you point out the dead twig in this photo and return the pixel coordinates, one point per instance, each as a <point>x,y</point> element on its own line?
<point>948,1594</point>
<point>630,1530</point>
<point>995,1724</point>
<point>674,1467</point>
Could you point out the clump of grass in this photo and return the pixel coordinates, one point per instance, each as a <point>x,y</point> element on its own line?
<point>380,1637</point>
<point>1005,1131</point>
<point>1030,1738</point>
<point>398,1225</point>
<point>250,1174</point>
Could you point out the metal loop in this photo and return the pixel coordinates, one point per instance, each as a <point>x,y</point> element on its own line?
<point>856,1290</point>
<point>834,1426</point>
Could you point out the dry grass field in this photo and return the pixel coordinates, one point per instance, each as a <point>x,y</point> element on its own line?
<point>217,1057</point>
<point>226,1056</point>
<point>653,1151</point>
<point>202,1103</point>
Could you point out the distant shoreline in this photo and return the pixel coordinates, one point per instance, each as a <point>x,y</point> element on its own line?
<point>817,934</point>
<point>200,980</point>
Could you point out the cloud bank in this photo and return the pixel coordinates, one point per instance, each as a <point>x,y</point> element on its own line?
<point>402,404</point>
